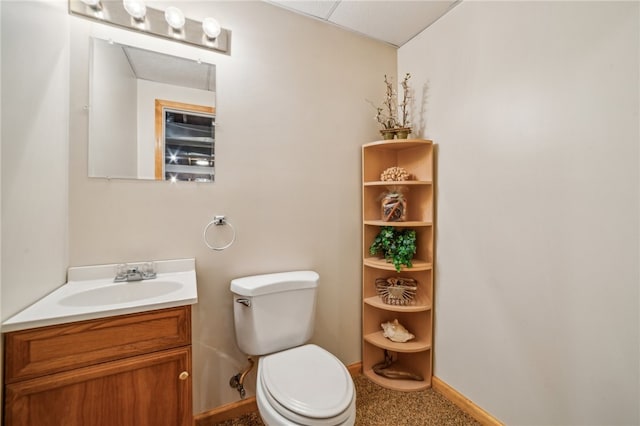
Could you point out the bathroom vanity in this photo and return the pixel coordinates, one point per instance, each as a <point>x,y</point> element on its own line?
<point>124,359</point>
<point>124,370</point>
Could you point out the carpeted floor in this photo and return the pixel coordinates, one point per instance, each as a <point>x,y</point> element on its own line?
<point>377,406</point>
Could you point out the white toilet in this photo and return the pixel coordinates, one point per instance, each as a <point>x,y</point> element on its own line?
<point>296,384</point>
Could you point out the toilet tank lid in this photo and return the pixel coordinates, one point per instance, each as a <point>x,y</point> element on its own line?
<point>257,285</point>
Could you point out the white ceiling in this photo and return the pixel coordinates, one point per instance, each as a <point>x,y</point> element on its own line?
<point>392,21</point>
<point>154,66</point>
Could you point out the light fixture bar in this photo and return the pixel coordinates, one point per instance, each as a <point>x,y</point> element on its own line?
<point>154,23</point>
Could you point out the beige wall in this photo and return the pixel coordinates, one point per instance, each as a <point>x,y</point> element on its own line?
<point>35,93</point>
<point>292,115</point>
<point>34,152</point>
<point>534,106</point>
<point>113,94</point>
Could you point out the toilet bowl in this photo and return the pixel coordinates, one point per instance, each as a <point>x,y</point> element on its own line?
<point>297,384</point>
<point>304,386</point>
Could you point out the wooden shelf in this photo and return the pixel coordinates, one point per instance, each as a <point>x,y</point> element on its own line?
<point>377,302</point>
<point>416,156</point>
<point>398,183</point>
<point>379,263</point>
<point>416,345</point>
<point>399,385</point>
<point>398,144</point>
<point>404,224</point>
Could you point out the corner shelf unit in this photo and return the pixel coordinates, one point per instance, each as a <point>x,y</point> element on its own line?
<point>415,356</point>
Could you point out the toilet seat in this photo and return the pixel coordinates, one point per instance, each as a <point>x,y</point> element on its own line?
<point>307,385</point>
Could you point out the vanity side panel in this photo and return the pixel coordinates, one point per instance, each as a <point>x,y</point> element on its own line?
<point>46,350</point>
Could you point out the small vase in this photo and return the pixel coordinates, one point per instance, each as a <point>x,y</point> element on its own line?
<point>403,132</point>
<point>387,133</point>
<point>394,207</point>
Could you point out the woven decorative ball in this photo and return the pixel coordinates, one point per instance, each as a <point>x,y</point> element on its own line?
<point>394,174</point>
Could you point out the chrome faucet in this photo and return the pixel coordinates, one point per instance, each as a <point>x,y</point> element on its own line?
<point>133,274</point>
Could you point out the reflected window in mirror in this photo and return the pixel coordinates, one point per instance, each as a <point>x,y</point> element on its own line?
<point>124,138</point>
<point>185,142</point>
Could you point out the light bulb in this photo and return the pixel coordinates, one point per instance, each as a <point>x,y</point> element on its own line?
<point>211,27</point>
<point>174,17</point>
<point>135,8</point>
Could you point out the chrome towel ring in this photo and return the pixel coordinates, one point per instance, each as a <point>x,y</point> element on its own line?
<point>219,221</point>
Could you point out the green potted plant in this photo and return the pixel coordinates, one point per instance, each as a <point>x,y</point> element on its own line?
<point>397,245</point>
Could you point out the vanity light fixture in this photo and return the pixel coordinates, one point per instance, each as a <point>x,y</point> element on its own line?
<point>174,17</point>
<point>211,28</point>
<point>136,8</point>
<point>170,23</point>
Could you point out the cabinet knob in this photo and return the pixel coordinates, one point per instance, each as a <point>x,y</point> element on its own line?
<point>184,375</point>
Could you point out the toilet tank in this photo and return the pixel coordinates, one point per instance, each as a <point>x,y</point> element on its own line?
<point>273,312</point>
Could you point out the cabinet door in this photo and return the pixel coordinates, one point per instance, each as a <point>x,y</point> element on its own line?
<point>146,390</point>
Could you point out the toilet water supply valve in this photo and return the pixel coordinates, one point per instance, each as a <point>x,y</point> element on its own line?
<point>237,380</point>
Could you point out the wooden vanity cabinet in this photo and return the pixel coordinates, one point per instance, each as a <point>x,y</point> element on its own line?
<point>129,370</point>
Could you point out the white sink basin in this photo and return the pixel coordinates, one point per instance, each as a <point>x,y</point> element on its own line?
<point>91,293</point>
<point>121,293</point>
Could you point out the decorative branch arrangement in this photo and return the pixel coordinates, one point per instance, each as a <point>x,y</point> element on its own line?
<point>406,96</point>
<point>387,115</point>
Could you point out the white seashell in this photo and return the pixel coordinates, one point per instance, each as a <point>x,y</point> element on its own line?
<point>396,332</point>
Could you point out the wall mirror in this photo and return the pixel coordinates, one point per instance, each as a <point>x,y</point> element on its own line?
<point>151,115</point>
